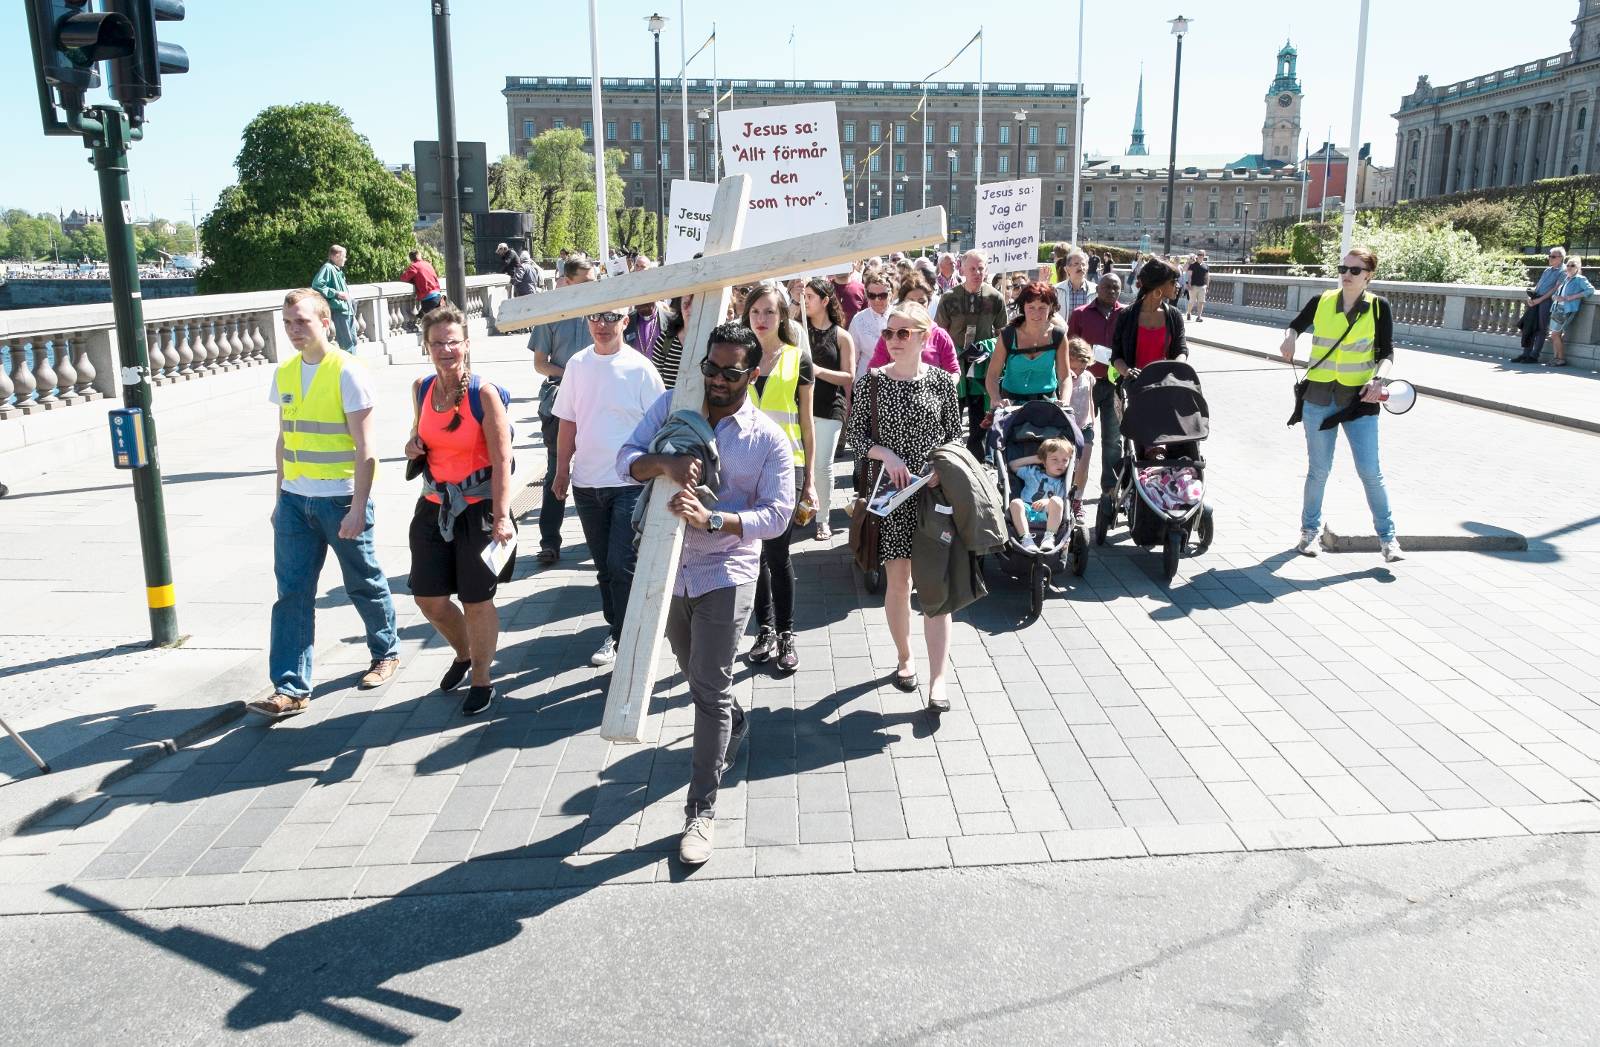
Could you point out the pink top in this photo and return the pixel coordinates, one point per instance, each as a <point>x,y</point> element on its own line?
<point>938,351</point>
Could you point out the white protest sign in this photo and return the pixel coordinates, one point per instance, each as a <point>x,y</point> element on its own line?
<point>1008,225</point>
<point>791,153</point>
<point>688,218</point>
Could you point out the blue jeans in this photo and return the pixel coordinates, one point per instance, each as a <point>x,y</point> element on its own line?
<point>303,530</point>
<point>606,514</point>
<point>551,509</point>
<point>344,330</point>
<point>1363,436</point>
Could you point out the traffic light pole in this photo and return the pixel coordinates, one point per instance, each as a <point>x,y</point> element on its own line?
<point>109,143</point>
<point>455,268</point>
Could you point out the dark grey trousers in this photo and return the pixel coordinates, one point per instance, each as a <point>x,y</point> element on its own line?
<point>704,633</point>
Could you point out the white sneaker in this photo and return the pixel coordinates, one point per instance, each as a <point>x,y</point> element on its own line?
<point>1027,543</point>
<point>1048,545</point>
<point>606,654</point>
<point>1308,542</point>
<point>695,847</point>
<point>1392,551</point>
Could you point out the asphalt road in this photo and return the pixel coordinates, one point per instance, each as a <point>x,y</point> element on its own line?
<point>1487,942</point>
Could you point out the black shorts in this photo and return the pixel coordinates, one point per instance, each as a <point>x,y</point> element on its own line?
<point>456,567</point>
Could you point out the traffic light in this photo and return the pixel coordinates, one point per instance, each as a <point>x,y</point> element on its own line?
<point>70,39</point>
<point>136,77</point>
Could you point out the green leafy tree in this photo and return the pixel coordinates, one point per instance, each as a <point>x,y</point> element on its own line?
<point>306,180</point>
<point>88,242</point>
<point>28,237</point>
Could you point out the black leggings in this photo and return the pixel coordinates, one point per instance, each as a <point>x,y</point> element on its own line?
<point>775,587</point>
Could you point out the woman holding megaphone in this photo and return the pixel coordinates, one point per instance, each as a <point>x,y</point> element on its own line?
<point>1352,348</point>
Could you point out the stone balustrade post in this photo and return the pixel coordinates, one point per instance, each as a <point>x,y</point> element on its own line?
<point>7,388</point>
<point>100,349</point>
<point>66,374</point>
<point>44,376</point>
<point>85,388</point>
<point>1455,312</point>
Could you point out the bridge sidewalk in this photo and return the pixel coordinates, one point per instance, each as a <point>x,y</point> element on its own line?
<point>75,675</point>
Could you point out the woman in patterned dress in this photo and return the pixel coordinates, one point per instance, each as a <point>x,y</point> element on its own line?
<point>917,412</point>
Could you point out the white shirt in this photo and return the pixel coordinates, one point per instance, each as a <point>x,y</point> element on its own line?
<point>605,397</point>
<point>865,329</point>
<point>355,390</point>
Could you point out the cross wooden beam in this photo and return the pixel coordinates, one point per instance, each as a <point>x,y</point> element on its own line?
<point>710,279</point>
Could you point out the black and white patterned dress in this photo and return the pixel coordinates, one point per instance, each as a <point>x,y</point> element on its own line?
<point>914,416</point>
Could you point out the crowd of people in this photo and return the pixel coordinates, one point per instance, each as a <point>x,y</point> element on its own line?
<point>901,362</point>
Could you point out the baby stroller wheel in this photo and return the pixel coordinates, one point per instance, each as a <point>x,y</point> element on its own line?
<point>1203,532</point>
<point>1171,550</point>
<point>1105,517</point>
<point>1078,552</point>
<point>1038,581</point>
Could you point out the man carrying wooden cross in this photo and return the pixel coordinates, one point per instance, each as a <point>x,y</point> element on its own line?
<point>716,582</point>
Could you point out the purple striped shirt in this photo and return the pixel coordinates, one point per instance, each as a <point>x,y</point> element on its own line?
<point>757,474</point>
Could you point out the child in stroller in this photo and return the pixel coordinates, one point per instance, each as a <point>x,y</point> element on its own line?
<point>1042,498</point>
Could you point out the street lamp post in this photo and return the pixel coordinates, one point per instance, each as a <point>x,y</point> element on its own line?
<point>950,154</point>
<point>1022,123</point>
<point>1245,255</point>
<point>657,23</point>
<point>1180,26</point>
<point>704,115</point>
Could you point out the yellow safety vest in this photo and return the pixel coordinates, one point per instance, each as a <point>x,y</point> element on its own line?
<point>1354,362</point>
<point>780,399</point>
<point>317,444</point>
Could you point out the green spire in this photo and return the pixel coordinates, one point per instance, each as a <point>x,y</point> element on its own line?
<point>1137,147</point>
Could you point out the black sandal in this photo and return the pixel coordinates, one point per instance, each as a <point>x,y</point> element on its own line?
<point>907,684</point>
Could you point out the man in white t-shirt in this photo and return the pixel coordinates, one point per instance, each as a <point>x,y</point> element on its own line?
<point>605,391</point>
<point>326,464</point>
<point>866,327</point>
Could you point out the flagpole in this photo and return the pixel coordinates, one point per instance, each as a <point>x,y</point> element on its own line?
<point>977,168</point>
<point>683,83</point>
<point>604,233</point>
<point>924,133</point>
<point>1347,232</point>
<point>1305,161</point>
<point>1327,161</point>
<point>716,85</point>
<point>1077,136</point>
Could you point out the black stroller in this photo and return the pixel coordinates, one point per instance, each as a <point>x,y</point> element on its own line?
<point>1161,481</point>
<point>1017,433</point>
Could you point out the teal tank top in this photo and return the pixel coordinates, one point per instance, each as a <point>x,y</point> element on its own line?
<point>1030,376</point>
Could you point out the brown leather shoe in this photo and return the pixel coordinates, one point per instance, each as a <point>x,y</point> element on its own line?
<point>382,670</point>
<point>280,706</point>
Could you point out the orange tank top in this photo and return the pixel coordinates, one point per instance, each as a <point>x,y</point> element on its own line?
<point>452,456</point>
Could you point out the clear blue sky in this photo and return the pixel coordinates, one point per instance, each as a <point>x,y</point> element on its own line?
<point>374,58</point>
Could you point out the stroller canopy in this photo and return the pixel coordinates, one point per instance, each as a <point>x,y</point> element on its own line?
<point>1039,420</point>
<point>1166,406</point>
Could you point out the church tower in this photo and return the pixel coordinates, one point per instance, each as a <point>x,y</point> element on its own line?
<point>1136,147</point>
<point>1280,132</point>
<point>1586,32</point>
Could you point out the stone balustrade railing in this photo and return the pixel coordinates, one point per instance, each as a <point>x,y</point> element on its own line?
<point>56,358</point>
<point>1465,317</point>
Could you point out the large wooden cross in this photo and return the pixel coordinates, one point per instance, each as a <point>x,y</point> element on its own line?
<point>710,279</point>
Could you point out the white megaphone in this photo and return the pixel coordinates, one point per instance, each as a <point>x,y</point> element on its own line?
<point>1398,396</point>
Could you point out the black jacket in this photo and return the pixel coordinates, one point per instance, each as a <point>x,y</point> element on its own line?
<point>1125,336</point>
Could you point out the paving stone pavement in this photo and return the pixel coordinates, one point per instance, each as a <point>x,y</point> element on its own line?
<point>1263,701</point>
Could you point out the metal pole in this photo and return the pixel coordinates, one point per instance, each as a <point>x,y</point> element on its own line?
<point>716,86</point>
<point>923,109</point>
<point>449,161</point>
<point>1305,162</point>
<point>1077,131</point>
<point>683,84</point>
<point>1172,153</point>
<point>110,149</point>
<point>1349,229</point>
<point>1327,162</point>
<point>661,178</point>
<point>602,227</point>
<point>977,167</point>
<point>1022,124</point>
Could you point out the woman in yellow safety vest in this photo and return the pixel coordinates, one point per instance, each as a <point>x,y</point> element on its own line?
<point>783,391</point>
<point>1352,348</point>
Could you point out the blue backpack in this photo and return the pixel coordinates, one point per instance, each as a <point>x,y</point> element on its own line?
<point>474,400</point>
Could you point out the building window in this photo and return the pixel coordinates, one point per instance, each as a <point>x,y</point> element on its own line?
<point>1188,212</point>
<point>1288,207</point>
<point>899,134</point>
<point>849,159</point>
<point>666,131</point>
<point>1111,211</point>
<point>692,158</point>
<point>1033,134</point>
<point>1088,210</point>
<point>1061,208</point>
<point>1061,134</point>
<point>1211,211</point>
<point>1033,163</point>
<point>849,130</point>
<point>638,160</point>
<point>899,163</point>
<point>1061,162</point>
<point>1583,118</point>
<point>1161,211</point>
<point>927,132</point>
<point>527,128</point>
<point>1005,163</point>
<point>1138,210</point>
<point>638,201</point>
<point>689,132</point>
<point>955,164</point>
<point>636,130</point>
<point>611,130</point>
<point>875,163</point>
<point>1005,133</point>
<point>874,132</point>
<point>955,133</point>
<point>927,163</point>
<point>876,204</point>
<point>559,123</point>
<point>588,130</point>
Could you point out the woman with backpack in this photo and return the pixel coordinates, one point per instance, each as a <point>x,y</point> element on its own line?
<point>461,445</point>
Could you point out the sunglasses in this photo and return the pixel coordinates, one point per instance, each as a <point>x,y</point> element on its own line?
<point>605,318</point>
<point>1352,270</point>
<point>879,297</point>
<point>732,374</point>
<point>898,334</point>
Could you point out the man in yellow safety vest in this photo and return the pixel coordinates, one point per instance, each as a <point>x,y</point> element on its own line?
<point>326,465</point>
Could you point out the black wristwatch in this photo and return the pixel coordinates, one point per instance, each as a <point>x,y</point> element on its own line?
<point>714,523</point>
